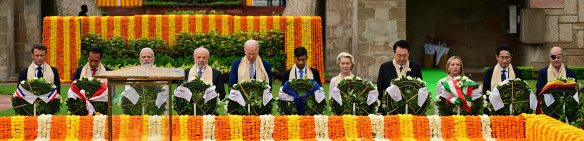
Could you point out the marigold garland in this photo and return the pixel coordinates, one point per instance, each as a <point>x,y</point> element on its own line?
<point>392,127</point>
<point>293,127</point>
<point>244,24</point>
<point>5,128</point>
<point>138,20</point>
<point>321,127</point>
<point>447,126</point>
<point>267,127</point>
<point>406,126</point>
<point>280,128</point>
<point>222,126</point>
<point>251,127</point>
<point>31,127</point>
<point>421,129</point>
<point>210,22</point>
<point>307,128</point>
<point>195,127</point>
<point>235,124</point>
<point>184,131</point>
<point>236,23</point>
<point>67,48</point>
<point>85,127</point>
<point>104,28</point>
<point>59,52</point>
<point>199,23</point>
<point>110,26</point>
<point>364,127</point>
<point>152,31</point>
<point>350,126</point>
<point>208,127</point>
<point>58,127</point>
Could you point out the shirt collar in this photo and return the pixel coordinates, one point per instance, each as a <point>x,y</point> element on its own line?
<point>200,69</point>
<point>303,70</point>
<point>506,69</point>
<point>36,66</point>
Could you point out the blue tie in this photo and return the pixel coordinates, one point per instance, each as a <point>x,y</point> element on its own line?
<point>252,70</point>
<point>503,76</point>
<point>301,74</point>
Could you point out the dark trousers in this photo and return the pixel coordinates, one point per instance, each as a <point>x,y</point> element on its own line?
<point>270,3</point>
<point>282,2</point>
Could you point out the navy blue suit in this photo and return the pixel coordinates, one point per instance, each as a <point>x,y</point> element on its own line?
<point>542,78</point>
<point>234,68</point>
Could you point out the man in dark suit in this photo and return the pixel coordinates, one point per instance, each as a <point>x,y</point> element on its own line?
<point>282,3</point>
<point>251,66</point>
<point>502,71</point>
<point>40,69</point>
<point>93,65</point>
<point>300,69</point>
<point>204,71</point>
<point>554,70</point>
<point>396,68</point>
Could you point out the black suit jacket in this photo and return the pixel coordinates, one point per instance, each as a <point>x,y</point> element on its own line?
<point>387,73</point>
<point>77,74</point>
<point>314,73</point>
<point>217,81</point>
<point>489,75</point>
<point>542,78</point>
<point>22,75</point>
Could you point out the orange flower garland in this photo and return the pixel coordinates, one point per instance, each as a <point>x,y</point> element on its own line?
<point>85,22</point>
<point>251,127</point>
<point>392,127</point>
<point>137,26</point>
<point>195,127</point>
<point>307,127</point>
<point>473,127</point>
<point>218,24</point>
<point>151,26</point>
<point>364,127</point>
<point>230,21</point>
<point>124,26</point>
<point>60,42</point>
<point>30,127</point>
<point>5,128</point>
<point>115,128</point>
<point>297,31</point>
<point>421,128</point>
<point>280,128</point>
<point>192,25</point>
<point>270,23</point>
<point>110,26</point>
<point>205,25</point>
<point>222,128</point>
<point>73,45</point>
<point>85,128</point>
<point>447,127</point>
<point>178,20</point>
<point>336,129</point>
<point>520,126</point>
<point>165,28</point>
<point>243,23</point>
<point>135,128</point>
<point>59,127</point>
<point>97,24</point>
<point>256,23</point>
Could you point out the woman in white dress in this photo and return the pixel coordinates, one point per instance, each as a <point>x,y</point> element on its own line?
<point>345,62</point>
<point>453,68</point>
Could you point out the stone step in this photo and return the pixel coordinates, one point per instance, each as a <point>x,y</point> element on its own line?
<point>573,51</point>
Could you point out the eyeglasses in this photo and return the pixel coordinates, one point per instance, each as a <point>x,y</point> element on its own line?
<point>559,56</point>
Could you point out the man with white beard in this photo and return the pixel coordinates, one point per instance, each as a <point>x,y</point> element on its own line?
<point>147,57</point>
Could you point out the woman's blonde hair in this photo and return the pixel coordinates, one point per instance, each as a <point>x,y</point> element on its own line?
<point>450,60</point>
<point>345,55</point>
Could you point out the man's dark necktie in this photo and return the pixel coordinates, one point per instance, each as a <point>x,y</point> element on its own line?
<point>401,68</point>
<point>93,71</point>
<point>39,72</point>
<point>503,76</point>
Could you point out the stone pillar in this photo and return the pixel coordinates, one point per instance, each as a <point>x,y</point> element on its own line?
<point>73,7</point>
<point>300,8</point>
<point>28,30</point>
<point>339,32</point>
<point>6,39</point>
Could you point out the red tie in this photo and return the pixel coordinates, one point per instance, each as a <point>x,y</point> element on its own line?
<point>93,72</point>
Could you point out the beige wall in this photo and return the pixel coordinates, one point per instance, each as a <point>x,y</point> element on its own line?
<point>6,39</point>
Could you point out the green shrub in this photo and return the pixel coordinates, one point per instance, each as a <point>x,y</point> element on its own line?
<point>526,72</point>
<point>579,72</point>
<point>191,12</point>
<point>155,3</point>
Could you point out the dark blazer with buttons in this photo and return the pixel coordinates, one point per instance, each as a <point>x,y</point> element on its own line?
<point>217,81</point>
<point>22,75</point>
<point>489,75</point>
<point>387,73</point>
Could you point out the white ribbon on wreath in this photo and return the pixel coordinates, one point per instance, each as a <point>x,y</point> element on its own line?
<point>185,93</point>
<point>497,102</point>
<point>549,99</point>
<point>235,95</point>
<point>371,96</point>
<point>395,94</point>
<point>133,96</point>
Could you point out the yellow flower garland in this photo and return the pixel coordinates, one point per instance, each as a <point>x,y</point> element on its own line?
<point>236,23</point>
<point>350,126</point>
<point>159,26</point>
<point>224,24</point>
<point>293,127</point>
<point>124,128</point>
<point>171,30</point>
<point>263,24</point>
<point>91,24</point>
<point>17,127</point>
<point>78,39</point>
<point>250,25</point>
<point>185,22</point>
<point>289,41</point>
<point>131,27</point>
<point>198,23</point>
<point>145,25</point>
<point>212,26</point>
<point>406,126</point>
<point>117,25</point>
<point>307,38</point>
<point>236,129</point>
<point>183,127</point>
<point>104,27</point>
<point>53,46</point>
<point>66,48</point>
<point>145,119</point>
<point>459,126</point>
<point>276,22</point>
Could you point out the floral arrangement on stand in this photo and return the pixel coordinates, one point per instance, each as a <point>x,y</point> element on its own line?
<point>301,97</point>
<point>558,98</point>
<point>250,97</point>
<point>196,97</point>
<point>406,95</point>
<point>355,96</point>
<point>512,97</point>
<point>87,90</point>
<point>36,96</point>
<point>461,96</point>
<point>147,101</point>
<point>290,127</point>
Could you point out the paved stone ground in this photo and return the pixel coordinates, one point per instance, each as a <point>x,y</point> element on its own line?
<point>5,102</point>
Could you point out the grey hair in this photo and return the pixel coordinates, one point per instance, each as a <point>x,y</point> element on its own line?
<point>345,55</point>
<point>202,48</point>
<point>561,50</point>
<point>144,49</point>
<point>251,43</point>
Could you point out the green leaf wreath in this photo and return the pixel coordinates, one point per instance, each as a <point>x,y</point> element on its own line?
<point>197,87</point>
<point>354,91</point>
<point>148,95</point>
<point>312,107</point>
<point>446,108</point>
<point>557,109</point>
<point>90,85</point>
<point>252,92</point>
<point>514,93</point>
<point>38,87</point>
<point>408,87</point>
<point>580,113</point>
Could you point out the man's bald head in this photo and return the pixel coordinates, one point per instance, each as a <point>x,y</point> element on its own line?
<point>556,57</point>
<point>147,57</point>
